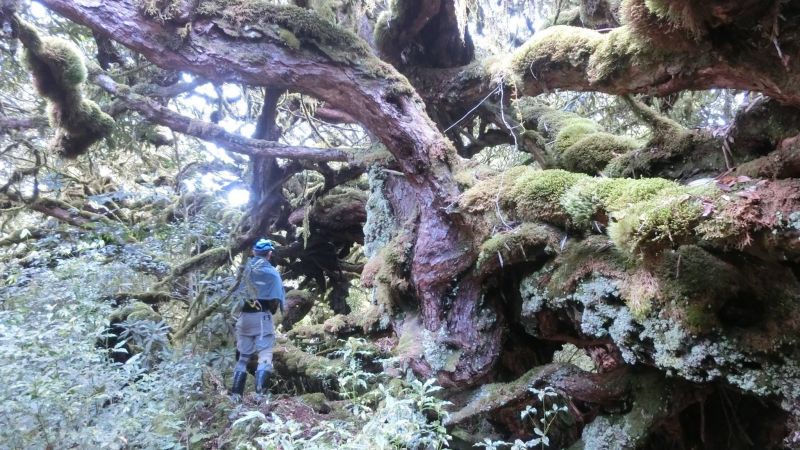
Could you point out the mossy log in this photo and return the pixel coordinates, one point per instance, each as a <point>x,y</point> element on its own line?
<point>577,144</point>
<point>304,371</point>
<point>368,321</point>
<point>212,257</point>
<point>580,145</point>
<point>701,315</point>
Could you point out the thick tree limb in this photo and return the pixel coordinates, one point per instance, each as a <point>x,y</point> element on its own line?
<point>621,62</point>
<point>212,257</point>
<point>333,116</point>
<point>782,163</point>
<point>369,90</point>
<point>599,389</point>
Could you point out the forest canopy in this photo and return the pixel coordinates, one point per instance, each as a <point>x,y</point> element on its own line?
<point>564,224</point>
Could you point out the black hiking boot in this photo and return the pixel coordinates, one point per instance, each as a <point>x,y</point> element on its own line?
<point>239,378</point>
<point>262,376</point>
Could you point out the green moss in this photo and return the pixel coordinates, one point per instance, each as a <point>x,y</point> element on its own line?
<point>381,34</point>
<point>482,196</point>
<point>579,144</point>
<point>298,361</point>
<point>591,196</point>
<point>558,44</point>
<point>697,284</point>
<point>512,245</point>
<point>289,38</point>
<point>470,172</point>
<point>694,273</point>
<point>335,210</point>
<point>549,120</point>
<point>135,311</point>
<point>536,194</point>
<point>161,10</point>
<point>58,70</point>
<point>572,131</point>
<point>591,256</point>
<point>684,14</point>
<point>308,331</point>
<point>305,25</point>
<point>620,49</point>
<point>700,318</point>
<point>391,266</point>
<point>316,401</point>
<point>309,31</point>
<point>92,117</point>
<point>65,61</point>
<point>591,153</point>
<point>660,222</point>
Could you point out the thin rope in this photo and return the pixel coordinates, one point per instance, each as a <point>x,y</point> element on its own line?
<point>499,88</point>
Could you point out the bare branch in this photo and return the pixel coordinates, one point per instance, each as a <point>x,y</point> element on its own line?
<point>22,123</point>
<point>211,132</point>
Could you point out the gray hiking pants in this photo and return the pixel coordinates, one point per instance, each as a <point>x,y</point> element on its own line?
<point>255,333</point>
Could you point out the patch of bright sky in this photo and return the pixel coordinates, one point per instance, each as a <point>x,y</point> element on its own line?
<point>505,27</point>
<point>200,104</point>
<point>197,101</point>
<point>38,11</point>
<point>238,197</point>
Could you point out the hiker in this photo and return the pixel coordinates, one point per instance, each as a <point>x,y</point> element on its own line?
<point>262,289</point>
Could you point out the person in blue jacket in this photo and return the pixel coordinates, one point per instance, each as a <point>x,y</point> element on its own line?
<point>262,289</point>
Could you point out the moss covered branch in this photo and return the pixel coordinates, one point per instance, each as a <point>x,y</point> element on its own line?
<point>645,215</point>
<point>652,53</point>
<point>59,71</point>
